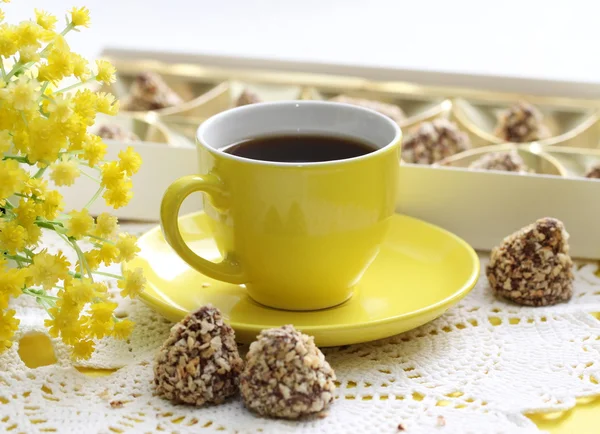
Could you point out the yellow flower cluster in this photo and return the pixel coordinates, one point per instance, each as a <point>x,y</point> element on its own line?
<point>44,138</point>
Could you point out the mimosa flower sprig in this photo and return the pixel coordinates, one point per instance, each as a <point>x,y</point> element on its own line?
<point>44,137</point>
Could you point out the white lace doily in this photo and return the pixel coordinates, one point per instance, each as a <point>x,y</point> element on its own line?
<point>477,369</point>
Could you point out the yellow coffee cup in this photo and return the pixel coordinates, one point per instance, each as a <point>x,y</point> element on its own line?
<point>298,235</point>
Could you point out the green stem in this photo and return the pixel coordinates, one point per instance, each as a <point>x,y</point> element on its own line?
<point>114,276</point>
<point>19,258</point>
<point>82,260</point>
<point>94,197</point>
<point>8,215</point>
<point>46,304</point>
<point>18,67</point>
<point>100,239</point>
<point>3,70</point>
<point>40,172</point>
<point>20,159</point>
<point>24,118</point>
<point>60,154</point>
<point>43,89</point>
<point>8,204</point>
<point>53,222</point>
<point>90,176</point>
<point>76,85</point>
<point>59,229</point>
<point>67,29</point>
<point>34,198</point>
<point>42,96</point>
<point>79,275</point>
<point>39,293</point>
<point>46,308</point>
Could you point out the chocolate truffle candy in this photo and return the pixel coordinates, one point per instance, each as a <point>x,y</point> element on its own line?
<point>115,132</point>
<point>390,110</point>
<point>150,92</point>
<point>199,363</point>
<point>521,123</point>
<point>593,172</point>
<point>532,266</point>
<point>433,141</point>
<point>247,97</point>
<point>286,375</point>
<point>509,161</point>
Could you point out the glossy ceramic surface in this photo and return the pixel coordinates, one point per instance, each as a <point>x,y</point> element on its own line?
<point>420,272</point>
<point>284,227</point>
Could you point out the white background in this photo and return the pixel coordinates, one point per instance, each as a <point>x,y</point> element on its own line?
<point>549,39</point>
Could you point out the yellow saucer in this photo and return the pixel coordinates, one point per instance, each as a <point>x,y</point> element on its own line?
<point>421,271</point>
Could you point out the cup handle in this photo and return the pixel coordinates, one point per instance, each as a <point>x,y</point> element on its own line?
<point>228,270</point>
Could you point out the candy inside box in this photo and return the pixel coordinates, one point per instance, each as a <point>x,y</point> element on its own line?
<point>480,206</point>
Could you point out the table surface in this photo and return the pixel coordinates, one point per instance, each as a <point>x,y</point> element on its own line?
<point>534,39</point>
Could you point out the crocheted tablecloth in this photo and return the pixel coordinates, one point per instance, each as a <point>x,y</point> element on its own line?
<point>477,369</point>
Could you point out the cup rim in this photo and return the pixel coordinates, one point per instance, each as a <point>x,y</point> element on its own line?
<point>201,131</point>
